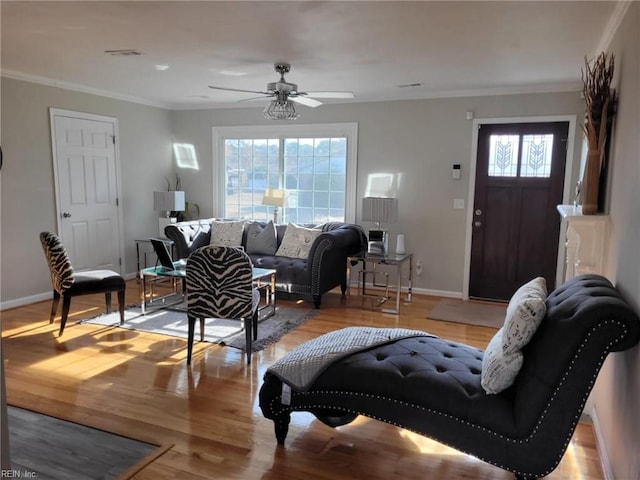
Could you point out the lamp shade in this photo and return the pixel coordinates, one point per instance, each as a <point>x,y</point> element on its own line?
<point>273,197</point>
<point>171,201</point>
<point>379,209</point>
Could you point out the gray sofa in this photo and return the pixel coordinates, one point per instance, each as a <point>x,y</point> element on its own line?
<point>324,269</point>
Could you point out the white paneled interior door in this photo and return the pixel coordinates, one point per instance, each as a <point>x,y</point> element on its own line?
<point>86,176</point>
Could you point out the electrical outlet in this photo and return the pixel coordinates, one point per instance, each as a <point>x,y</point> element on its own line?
<point>419,267</point>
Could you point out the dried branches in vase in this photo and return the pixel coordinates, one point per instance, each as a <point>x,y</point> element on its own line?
<point>596,79</point>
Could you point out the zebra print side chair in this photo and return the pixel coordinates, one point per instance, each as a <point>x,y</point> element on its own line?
<point>220,285</point>
<point>67,283</point>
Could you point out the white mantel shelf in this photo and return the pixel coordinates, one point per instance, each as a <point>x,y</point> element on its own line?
<point>586,240</point>
<point>574,213</point>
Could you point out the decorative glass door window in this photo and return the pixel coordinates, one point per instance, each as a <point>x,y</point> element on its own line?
<point>536,155</point>
<point>520,156</point>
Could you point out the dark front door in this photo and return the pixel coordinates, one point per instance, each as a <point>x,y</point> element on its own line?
<point>519,181</point>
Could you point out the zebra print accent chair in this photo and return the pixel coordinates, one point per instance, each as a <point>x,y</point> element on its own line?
<point>67,283</point>
<point>220,285</point>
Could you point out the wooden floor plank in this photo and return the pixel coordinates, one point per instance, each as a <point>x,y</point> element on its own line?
<point>137,384</point>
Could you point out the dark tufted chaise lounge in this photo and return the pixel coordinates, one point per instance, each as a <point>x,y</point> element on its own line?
<point>432,386</point>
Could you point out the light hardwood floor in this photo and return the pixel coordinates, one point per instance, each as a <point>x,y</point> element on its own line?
<point>138,385</point>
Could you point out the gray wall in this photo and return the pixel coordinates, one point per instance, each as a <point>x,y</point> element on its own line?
<point>28,196</point>
<point>419,139</point>
<point>617,393</point>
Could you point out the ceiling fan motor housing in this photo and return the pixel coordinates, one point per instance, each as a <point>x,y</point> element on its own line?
<point>282,87</point>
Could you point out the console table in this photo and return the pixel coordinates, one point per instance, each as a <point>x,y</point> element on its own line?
<point>371,268</point>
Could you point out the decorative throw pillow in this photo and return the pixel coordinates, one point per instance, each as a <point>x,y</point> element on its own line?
<point>499,369</point>
<point>227,234</point>
<point>297,241</point>
<point>261,240</point>
<point>503,356</point>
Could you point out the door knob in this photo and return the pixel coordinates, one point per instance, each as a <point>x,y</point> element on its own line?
<point>477,224</point>
<point>478,212</point>
<point>66,215</point>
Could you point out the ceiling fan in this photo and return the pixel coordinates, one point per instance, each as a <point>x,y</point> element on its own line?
<point>282,91</point>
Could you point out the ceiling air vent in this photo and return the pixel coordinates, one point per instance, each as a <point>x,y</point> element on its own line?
<point>123,53</point>
<point>410,85</point>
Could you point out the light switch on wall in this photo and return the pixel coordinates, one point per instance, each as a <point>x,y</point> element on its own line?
<point>458,203</point>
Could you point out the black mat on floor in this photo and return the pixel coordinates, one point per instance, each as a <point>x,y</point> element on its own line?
<point>45,447</point>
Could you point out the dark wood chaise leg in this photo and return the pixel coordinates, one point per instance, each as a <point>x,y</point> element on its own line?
<point>343,288</point>
<point>281,427</point>
<point>316,301</point>
<point>272,407</point>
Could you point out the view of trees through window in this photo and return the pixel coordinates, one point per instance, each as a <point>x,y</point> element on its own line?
<point>312,172</point>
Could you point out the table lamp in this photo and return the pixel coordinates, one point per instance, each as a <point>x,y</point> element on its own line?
<point>381,210</point>
<point>167,202</point>
<point>274,197</point>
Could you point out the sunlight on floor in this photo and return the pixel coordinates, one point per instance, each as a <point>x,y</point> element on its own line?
<point>36,328</point>
<point>570,463</point>
<point>81,343</point>
<point>427,446</point>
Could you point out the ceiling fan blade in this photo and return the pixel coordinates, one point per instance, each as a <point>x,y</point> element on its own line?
<point>309,102</point>
<point>330,94</point>
<point>239,90</point>
<point>254,99</point>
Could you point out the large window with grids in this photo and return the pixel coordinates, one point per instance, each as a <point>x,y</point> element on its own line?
<point>312,166</point>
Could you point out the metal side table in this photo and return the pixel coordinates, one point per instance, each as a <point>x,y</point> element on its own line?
<point>371,268</point>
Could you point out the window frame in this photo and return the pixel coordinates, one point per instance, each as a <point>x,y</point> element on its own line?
<point>348,130</point>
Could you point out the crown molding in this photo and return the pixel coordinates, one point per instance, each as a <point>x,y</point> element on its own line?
<point>480,92</point>
<point>50,82</point>
<point>612,25</point>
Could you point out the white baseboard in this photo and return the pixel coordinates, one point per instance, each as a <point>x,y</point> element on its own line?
<point>40,297</point>
<point>20,302</point>
<point>414,290</point>
<point>603,454</point>
<point>437,293</point>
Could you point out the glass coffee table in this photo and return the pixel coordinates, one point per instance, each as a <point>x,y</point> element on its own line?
<point>264,279</point>
<point>150,276</point>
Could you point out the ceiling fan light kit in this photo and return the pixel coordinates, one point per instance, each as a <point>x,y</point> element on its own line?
<point>285,93</point>
<point>281,110</point>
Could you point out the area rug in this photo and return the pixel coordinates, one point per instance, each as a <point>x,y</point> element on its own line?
<point>482,314</point>
<point>47,447</point>
<point>227,332</point>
